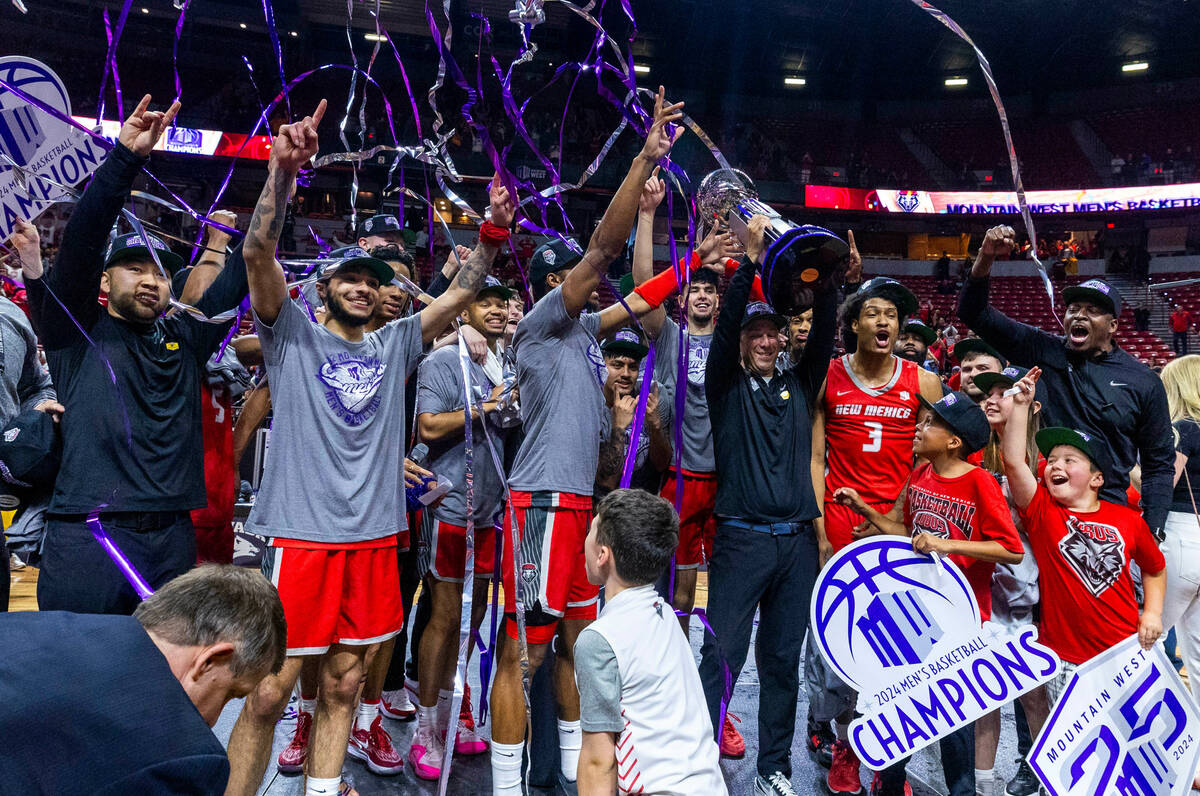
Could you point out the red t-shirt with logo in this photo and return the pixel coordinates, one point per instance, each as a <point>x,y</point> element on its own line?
<point>1088,600</point>
<point>969,508</point>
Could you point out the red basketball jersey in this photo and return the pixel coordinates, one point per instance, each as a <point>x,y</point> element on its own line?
<point>219,478</point>
<point>869,432</point>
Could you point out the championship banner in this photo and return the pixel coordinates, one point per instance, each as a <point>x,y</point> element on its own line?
<point>903,629</point>
<point>38,143</point>
<point>1084,200</point>
<point>1124,725</point>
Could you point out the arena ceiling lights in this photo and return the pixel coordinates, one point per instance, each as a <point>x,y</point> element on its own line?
<point>956,82</point>
<point>1135,66</point>
<point>641,69</point>
<point>795,82</point>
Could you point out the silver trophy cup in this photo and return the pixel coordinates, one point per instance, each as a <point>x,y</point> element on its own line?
<point>796,256</point>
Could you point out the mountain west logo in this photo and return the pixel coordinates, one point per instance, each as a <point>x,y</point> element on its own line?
<point>908,200</point>
<point>697,362</point>
<point>1096,552</point>
<point>353,382</point>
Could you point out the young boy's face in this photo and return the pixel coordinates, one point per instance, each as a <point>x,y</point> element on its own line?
<point>1068,475</point>
<point>597,570</point>
<point>933,437</point>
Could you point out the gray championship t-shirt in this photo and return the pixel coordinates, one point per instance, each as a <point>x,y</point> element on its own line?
<point>440,389</point>
<point>598,676</point>
<point>335,465</point>
<point>697,454</point>
<point>561,375</point>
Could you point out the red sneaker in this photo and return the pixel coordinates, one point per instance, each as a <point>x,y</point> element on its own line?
<point>467,741</point>
<point>291,759</point>
<point>732,743</point>
<point>397,705</point>
<point>374,747</point>
<point>843,778</point>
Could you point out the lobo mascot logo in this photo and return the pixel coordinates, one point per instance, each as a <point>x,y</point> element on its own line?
<point>903,629</point>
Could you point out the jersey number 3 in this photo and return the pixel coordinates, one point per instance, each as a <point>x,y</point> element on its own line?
<point>874,436</point>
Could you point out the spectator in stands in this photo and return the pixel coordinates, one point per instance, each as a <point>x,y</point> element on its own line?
<point>942,269</point>
<point>1141,318</point>
<point>1181,324</point>
<point>130,381</point>
<point>141,692</point>
<point>1091,383</point>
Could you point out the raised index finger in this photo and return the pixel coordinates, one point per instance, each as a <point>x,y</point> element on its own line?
<point>319,113</point>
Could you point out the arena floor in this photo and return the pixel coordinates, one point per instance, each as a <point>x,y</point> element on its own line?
<point>472,776</point>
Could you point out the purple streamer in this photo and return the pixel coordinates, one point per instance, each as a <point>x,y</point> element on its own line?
<point>130,572</point>
<point>175,48</point>
<point>110,62</point>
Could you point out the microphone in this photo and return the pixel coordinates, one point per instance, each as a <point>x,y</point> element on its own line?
<point>419,454</point>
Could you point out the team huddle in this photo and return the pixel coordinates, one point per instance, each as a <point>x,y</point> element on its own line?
<point>1044,469</point>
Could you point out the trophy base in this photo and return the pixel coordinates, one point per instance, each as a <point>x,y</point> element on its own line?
<point>796,262</point>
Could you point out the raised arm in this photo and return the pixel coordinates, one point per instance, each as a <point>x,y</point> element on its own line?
<point>1017,341</point>
<point>724,364</point>
<point>466,283</point>
<point>610,236</point>
<point>643,247</point>
<point>1022,482</point>
<point>212,260</point>
<point>293,147</point>
<point>75,279</point>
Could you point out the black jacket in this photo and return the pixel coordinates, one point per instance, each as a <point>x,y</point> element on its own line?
<point>762,430</point>
<point>1111,396</point>
<point>131,432</point>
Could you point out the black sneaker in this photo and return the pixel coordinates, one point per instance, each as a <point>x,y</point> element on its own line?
<point>1025,783</point>
<point>820,743</point>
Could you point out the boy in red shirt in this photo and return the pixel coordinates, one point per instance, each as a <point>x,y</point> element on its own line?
<point>1083,545</point>
<point>955,509</point>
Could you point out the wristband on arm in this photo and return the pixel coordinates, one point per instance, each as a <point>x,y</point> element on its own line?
<point>492,234</point>
<point>658,289</point>
<point>756,291</point>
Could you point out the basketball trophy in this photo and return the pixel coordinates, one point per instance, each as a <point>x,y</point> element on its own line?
<point>795,256</point>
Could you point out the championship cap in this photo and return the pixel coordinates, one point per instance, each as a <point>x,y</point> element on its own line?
<point>893,291</point>
<point>356,257</point>
<point>1096,291</point>
<point>379,225</point>
<point>626,342</point>
<point>922,330</point>
<point>551,257</point>
<point>133,246</point>
<point>760,310</point>
<point>1048,438</point>
<point>976,345</point>
<point>1007,378</point>
<point>494,287</point>
<point>30,450</point>
<point>963,415</point>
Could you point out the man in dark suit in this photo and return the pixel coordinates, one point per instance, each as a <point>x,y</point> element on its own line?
<point>133,712</point>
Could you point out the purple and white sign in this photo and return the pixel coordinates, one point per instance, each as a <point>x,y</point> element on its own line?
<point>903,629</point>
<point>1125,724</point>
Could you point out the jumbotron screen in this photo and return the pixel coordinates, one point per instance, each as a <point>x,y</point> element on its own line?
<point>1082,200</point>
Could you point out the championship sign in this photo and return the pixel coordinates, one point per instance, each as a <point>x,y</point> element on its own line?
<point>903,629</point>
<point>38,143</point>
<point>1125,724</point>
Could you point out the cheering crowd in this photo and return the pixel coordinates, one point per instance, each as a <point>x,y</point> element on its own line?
<point>1044,467</point>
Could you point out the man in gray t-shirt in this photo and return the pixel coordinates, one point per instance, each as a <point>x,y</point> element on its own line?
<point>331,497</point>
<point>441,395</point>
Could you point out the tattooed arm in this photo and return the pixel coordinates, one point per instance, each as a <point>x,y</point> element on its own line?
<point>466,283</point>
<point>292,148</point>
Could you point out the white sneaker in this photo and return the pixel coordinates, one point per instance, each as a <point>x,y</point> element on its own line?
<point>426,754</point>
<point>397,705</point>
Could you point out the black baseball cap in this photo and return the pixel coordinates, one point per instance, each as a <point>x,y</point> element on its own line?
<point>132,245</point>
<point>1007,377</point>
<point>1049,438</point>
<point>494,287</point>
<point>379,225</point>
<point>893,291</point>
<point>976,345</point>
<point>355,257</point>
<point>761,310</point>
<point>1096,291</point>
<point>922,330</point>
<point>30,450</point>
<point>626,342</point>
<point>552,257</point>
<point>963,415</point>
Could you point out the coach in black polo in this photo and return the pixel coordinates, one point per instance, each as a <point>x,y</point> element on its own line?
<point>765,554</point>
